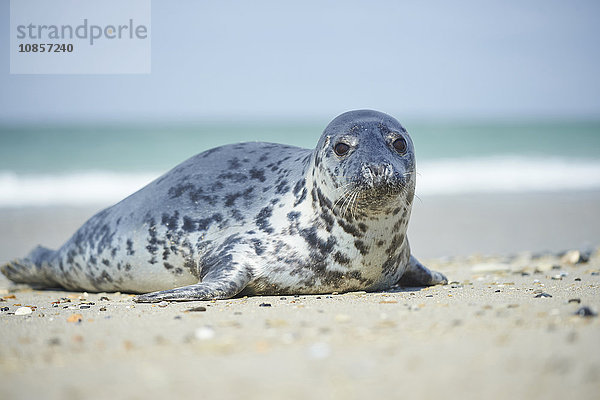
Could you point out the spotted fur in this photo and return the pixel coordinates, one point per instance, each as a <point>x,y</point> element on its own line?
<point>254,218</point>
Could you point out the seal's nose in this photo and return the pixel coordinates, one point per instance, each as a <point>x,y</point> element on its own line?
<point>377,173</point>
<point>378,170</point>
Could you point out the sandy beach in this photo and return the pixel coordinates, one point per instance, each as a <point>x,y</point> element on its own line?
<point>492,108</point>
<point>518,319</point>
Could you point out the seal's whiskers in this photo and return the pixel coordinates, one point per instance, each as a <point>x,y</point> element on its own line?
<point>348,201</point>
<point>342,197</point>
<point>355,204</point>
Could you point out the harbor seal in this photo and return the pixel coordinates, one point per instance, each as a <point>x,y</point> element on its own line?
<point>255,219</point>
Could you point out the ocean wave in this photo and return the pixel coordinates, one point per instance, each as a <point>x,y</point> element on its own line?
<point>436,177</point>
<point>69,189</point>
<point>506,174</point>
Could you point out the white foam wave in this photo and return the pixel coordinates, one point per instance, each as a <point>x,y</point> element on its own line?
<point>506,174</point>
<point>72,189</point>
<point>451,176</point>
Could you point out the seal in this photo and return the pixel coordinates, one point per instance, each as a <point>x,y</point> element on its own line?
<point>255,219</point>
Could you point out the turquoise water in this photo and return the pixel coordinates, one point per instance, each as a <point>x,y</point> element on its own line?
<point>129,147</point>
<point>137,148</point>
<point>78,165</point>
<point>570,140</point>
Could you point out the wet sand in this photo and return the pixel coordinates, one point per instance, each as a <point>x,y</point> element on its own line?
<point>512,323</point>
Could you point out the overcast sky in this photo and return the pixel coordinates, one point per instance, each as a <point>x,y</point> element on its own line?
<point>263,59</point>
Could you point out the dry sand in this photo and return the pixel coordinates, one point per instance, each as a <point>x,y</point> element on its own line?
<point>506,326</point>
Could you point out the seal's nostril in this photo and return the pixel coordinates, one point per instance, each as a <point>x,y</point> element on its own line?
<point>377,170</point>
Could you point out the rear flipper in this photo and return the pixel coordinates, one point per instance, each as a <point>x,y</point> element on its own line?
<point>33,269</point>
<point>417,274</point>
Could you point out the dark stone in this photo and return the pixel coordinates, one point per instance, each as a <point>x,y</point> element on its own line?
<point>585,311</point>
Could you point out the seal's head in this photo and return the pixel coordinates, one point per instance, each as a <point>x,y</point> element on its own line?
<point>366,160</point>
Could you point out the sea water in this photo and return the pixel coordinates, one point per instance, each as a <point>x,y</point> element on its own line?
<point>42,165</point>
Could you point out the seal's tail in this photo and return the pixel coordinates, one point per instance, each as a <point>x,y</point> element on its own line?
<point>32,269</point>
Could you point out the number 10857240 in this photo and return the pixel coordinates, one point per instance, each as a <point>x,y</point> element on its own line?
<point>45,48</point>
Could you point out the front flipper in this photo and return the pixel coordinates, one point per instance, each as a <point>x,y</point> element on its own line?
<point>417,274</point>
<point>213,287</point>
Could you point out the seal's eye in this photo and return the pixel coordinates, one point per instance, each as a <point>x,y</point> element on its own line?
<point>341,149</point>
<point>400,145</point>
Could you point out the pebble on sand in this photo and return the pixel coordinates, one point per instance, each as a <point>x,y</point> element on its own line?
<point>196,309</point>
<point>204,333</point>
<point>574,257</point>
<point>23,311</point>
<point>585,311</point>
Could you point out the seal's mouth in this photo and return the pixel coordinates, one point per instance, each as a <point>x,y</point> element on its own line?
<point>360,200</point>
<point>372,192</point>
